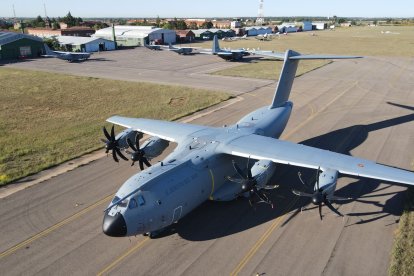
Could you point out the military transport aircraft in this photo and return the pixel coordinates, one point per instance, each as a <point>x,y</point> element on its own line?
<point>212,163</point>
<point>180,50</point>
<point>230,55</point>
<point>69,56</point>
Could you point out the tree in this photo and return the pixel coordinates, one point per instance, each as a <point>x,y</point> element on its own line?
<point>207,25</point>
<point>193,26</point>
<point>181,25</point>
<point>158,22</point>
<point>52,42</point>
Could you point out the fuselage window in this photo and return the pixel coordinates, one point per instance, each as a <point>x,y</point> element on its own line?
<point>141,200</point>
<point>133,204</point>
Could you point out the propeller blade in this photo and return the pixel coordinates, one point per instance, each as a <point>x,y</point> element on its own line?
<point>299,193</point>
<point>236,180</point>
<point>339,198</point>
<point>146,162</point>
<point>113,133</point>
<point>328,203</point>
<point>141,165</point>
<point>320,210</point>
<point>114,156</point>
<point>129,142</point>
<point>133,162</point>
<point>120,154</point>
<point>238,170</point>
<point>249,173</point>
<point>106,134</point>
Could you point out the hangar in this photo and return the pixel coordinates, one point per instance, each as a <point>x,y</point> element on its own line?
<point>86,44</point>
<point>16,45</point>
<point>130,36</point>
<point>258,30</point>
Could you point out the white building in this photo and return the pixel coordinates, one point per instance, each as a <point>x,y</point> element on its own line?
<point>258,30</point>
<point>287,27</point>
<point>137,35</point>
<point>320,25</point>
<point>86,44</point>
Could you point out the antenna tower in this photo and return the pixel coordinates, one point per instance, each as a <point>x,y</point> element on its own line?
<point>260,17</point>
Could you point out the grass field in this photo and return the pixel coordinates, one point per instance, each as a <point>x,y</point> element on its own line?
<point>46,119</point>
<point>402,259</point>
<point>365,41</point>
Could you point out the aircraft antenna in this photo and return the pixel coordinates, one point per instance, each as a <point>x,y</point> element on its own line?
<point>260,17</point>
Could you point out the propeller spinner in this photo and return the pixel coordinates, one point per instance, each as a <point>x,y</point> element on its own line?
<point>112,144</point>
<point>138,154</point>
<point>249,184</point>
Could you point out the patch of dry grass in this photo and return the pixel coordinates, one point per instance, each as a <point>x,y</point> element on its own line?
<point>402,259</point>
<point>364,41</point>
<point>46,119</point>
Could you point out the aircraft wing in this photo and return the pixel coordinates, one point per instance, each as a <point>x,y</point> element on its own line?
<point>284,152</point>
<point>171,131</point>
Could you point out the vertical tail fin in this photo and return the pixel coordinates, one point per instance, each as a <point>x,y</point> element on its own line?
<point>288,73</point>
<point>49,52</point>
<point>216,47</point>
<point>285,80</point>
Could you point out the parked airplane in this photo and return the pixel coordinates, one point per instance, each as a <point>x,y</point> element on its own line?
<point>206,164</point>
<point>234,38</point>
<point>180,50</point>
<point>225,54</point>
<point>69,56</point>
<point>263,37</point>
<point>153,47</point>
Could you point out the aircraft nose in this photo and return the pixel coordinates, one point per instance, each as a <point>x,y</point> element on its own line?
<point>114,226</point>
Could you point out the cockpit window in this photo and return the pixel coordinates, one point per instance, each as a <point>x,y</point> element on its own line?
<point>141,200</point>
<point>133,203</point>
<point>123,203</point>
<point>116,199</point>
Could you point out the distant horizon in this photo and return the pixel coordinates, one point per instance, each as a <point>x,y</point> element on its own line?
<point>208,9</point>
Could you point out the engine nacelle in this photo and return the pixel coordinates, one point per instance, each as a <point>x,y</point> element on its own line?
<point>327,180</point>
<point>124,135</point>
<point>154,146</point>
<point>262,171</point>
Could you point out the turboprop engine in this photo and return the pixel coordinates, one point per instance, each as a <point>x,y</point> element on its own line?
<point>130,138</point>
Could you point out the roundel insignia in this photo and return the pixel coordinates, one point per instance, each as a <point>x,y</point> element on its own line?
<point>360,165</point>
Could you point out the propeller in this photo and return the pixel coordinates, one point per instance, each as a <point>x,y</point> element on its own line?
<point>249,184</point>
<point>112,144</point>
<point>319,196</point>
<point>138,154</point>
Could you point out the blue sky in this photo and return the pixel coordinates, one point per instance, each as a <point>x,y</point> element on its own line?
<point>208,8</point>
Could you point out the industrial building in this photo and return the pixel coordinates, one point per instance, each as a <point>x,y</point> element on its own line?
<point>86,44</point>
<point>185,35</point>
<point>207,34</point>
<point>258,30</point>
<point>73,31</point>
<point>16,45</point>
<point>131,36</point>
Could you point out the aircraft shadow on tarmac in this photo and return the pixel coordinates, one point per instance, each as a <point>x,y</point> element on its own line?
<point>218,219</point>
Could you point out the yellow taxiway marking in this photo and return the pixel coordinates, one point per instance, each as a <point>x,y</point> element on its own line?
<point>212,185</point>
<point>126,254</point>
<point>314,114</point>
<point>54,227</point>
<point>260,242</point>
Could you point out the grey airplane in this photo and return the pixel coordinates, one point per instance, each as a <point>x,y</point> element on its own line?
<point>180,50</point>
<point>68,56</point>
<point>230,55</point>
<point>222,164</point>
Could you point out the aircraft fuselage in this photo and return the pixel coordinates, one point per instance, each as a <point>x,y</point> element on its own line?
<point>194,172</point>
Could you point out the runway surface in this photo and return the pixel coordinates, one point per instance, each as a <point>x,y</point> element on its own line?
<point>360,107</point>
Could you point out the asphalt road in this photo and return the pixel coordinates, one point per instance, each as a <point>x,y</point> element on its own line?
<point>361,107</point>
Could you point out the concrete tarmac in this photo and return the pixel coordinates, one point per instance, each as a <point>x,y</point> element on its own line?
<point>360,107</point>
